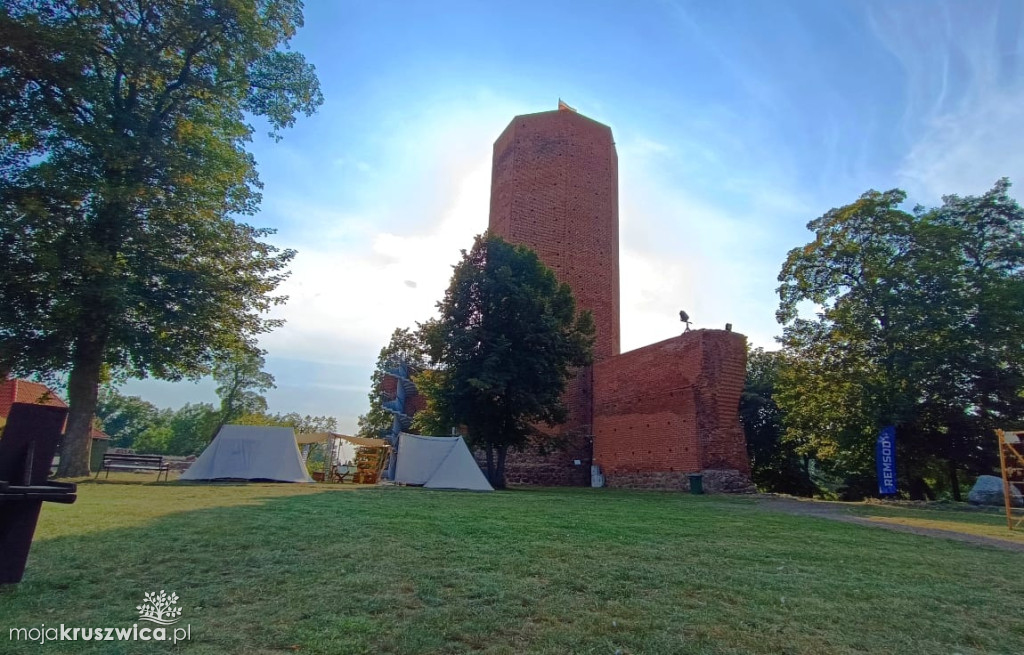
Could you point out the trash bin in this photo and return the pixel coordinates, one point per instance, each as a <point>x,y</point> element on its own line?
<point>696,483</point>
<point>99,449</point>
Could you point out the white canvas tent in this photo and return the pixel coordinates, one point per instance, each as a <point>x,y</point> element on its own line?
<point>250,452</point>
<point>438,463</point>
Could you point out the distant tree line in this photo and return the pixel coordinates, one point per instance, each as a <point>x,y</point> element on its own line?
<point>918,323</point>
<point>140,425</point>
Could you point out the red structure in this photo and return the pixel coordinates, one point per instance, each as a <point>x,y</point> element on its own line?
<point>651,416</point>
<point>670,409</point>
<point>13,390</point>
<point>555,188</point>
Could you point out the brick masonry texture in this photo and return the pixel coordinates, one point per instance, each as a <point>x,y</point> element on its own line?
<point>555,467</point>
<point>554,188</point>
<point>648,417</point>
<point>727,481</point>
<point>671,408</point>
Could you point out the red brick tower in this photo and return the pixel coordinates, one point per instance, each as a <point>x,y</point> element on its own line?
<point>661,412</point>
<point>555,188</point>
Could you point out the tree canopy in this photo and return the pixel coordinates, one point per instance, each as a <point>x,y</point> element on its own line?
<point>135,423</point>
<point>123,128</point>
<point>775,464</point>
<point>507,340</point>
<point>918,324</point>
<point>241,382</point>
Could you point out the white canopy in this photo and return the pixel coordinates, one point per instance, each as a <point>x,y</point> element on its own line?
<point>319,437</point>
<point>438,463</point>
<point>250,452</point>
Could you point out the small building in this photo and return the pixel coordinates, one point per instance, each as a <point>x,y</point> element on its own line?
<point>25,391</point>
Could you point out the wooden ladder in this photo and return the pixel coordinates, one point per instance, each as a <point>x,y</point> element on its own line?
<point>1011,462</point>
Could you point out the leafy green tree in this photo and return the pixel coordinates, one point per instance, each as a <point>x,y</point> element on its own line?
<point>155,440</point>
<point>241,382</point>
<point>916,323</point>
<point>775,464</point>
<point>307,423</point>
<point>430,419</point>
<point>122,162</point>
<point>404,345</point>
<point>190,427</point>
<point>124,418</point>
<point>507,340</point>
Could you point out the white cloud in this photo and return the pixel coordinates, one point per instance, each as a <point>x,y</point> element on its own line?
<point>363,271</point>
<point>344,302</point>
<point>716,259</point>
<point>967,151</point>
<point>963,99</point>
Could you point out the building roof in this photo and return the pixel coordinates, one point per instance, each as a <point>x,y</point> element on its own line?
<point>23,391</point>
<point>35,393</point>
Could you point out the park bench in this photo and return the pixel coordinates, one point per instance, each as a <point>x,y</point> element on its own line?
<point>135,463</point>
<point>29,442</point>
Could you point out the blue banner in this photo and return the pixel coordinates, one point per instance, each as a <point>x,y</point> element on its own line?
<point>885,459</point>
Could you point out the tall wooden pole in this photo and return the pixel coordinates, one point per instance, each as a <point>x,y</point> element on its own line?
<point>1001,436</point>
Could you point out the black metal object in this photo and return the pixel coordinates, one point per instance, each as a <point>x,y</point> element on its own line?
<point>135,463</point>
<point>27,448</point>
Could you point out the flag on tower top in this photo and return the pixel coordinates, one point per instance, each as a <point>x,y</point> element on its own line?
<point>564,107</point>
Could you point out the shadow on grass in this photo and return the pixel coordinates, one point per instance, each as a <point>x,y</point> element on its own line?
<point>545,571</point>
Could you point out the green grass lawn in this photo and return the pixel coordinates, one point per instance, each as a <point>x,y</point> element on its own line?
<point>292,568</point>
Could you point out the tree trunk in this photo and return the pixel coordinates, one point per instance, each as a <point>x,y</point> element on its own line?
<point>805,469</point>
<point>490,464</point>
<point>499,474</point>
<point>919,490</point>
<point>83,393</point>
<point>222,420</point>
<point>954,481</point>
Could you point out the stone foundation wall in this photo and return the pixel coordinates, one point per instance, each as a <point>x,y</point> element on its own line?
<point>715,481</point>
<point>555,468</point>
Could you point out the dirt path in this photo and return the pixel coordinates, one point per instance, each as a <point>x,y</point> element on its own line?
<point>839,512</point>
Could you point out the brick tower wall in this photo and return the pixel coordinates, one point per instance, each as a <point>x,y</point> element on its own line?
<point>554,188</point>
<point>648,417</point>
<point>670,409</point>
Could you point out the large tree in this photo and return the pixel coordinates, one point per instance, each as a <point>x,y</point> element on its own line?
<point>123,128</point>
<point>507,340</point>
<point>241,382</point>
<point>918,326</point>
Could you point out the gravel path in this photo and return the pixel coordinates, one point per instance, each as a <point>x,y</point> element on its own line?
<point>838,512</point>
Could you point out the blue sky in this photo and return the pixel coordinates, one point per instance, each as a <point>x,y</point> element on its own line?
<point>736,123</point>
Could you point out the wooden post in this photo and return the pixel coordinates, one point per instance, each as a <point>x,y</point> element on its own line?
<point>1000,435</point>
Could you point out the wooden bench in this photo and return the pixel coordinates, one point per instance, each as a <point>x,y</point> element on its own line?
<point>135,463</point>
<point>26,451</point>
